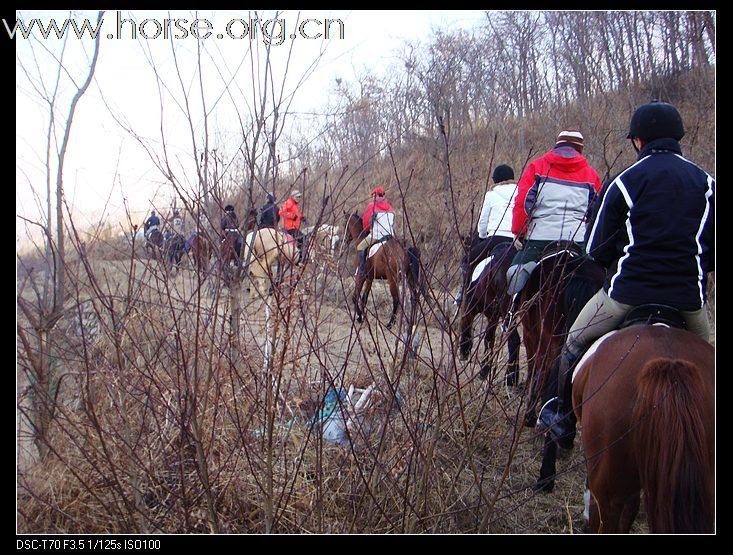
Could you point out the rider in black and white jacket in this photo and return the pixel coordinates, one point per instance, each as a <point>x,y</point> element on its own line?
<point>654,232</point>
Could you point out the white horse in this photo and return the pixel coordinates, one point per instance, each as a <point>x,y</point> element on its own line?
<point>324,239</point>
<point>267,246</point>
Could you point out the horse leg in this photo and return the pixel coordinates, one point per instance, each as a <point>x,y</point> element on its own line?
<point>546,481</point>
<point>616,501</point>
<point>466,340</point>
<point>606,513</point>
<point>358,284</point>
<point>629,512</point>
<point>530,415</point>
<point>394,290</point>
<point>259,279</point>
<point>512,371</point>
<point>365,295</point>
<point>486,368</point>
<point>538,380</point>
<point>278,273</point>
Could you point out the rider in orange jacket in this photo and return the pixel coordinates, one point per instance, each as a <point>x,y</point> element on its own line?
<point>291,218</point>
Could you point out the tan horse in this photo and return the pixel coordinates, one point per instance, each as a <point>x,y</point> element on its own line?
<point>324,239</point>
<point>268,246</point>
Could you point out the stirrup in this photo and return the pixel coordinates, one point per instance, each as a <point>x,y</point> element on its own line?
<point>547,415</point>
<point>507,322</point>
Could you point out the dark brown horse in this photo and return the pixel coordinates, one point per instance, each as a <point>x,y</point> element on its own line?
<point>231,247</point>
<point>563,281</point>
<point>175,247</point>
<point>154,242</point>
<point>391,262</point>
<point>645,400</point>
<point>488,295</point>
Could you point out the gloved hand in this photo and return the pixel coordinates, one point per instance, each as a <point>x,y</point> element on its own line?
<point>517,244</point>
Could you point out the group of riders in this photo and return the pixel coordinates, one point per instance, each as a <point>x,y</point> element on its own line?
<point>269,215</point>
<point>651,227</point>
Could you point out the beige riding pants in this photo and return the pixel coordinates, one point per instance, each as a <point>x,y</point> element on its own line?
<point>367,242</point>
<point>602,314</point>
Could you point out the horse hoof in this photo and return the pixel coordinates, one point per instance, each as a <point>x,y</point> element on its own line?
<point>544,486</point>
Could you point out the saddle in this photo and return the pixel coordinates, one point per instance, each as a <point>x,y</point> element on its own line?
<point>377,245</point>
<point>654,314</point>
<point>645,314</point>
<point>558,247</point>
<point>500,252</point>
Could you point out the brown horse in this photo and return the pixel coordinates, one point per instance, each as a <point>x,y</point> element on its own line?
<point>563,281</point>
<point>391,262</point>
<point>200,251</point>
<point>645,400</point>
<point>487,295</point>
<point>231,247</point>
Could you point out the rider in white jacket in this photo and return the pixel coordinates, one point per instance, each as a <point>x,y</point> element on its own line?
<point>496,213</point>
<point>494,224</point>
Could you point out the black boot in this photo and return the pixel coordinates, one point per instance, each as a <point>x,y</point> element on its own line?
<point>362,263</point>
<point>557,415</point>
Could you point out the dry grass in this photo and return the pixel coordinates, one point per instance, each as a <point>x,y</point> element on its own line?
<point>167,423</point>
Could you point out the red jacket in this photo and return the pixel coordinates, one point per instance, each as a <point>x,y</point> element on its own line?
<point>374,206</point>
<point>290,214</point>
<point>553,196</point>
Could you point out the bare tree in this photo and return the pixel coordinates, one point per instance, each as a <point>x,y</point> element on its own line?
<point>50,305</point>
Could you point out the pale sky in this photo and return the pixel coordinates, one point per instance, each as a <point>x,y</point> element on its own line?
<point>100,149</point>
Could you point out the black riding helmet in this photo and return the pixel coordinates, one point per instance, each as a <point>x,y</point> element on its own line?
<point>656,120</point>
<point>228,208</point>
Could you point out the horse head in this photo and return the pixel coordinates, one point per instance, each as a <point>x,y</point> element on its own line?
<point>353,226</point>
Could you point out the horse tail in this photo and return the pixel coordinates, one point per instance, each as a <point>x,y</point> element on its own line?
<point>675,463</point>
<point>413,256</point>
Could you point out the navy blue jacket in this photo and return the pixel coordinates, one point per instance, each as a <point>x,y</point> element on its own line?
<point>654,230</point>
<point>151,221</point>
<point>269,214</point>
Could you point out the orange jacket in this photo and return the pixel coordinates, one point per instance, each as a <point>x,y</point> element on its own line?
<point>290,214</point>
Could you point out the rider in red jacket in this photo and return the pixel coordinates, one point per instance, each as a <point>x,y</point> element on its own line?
<point>552,202</point>
<point>379,204</point>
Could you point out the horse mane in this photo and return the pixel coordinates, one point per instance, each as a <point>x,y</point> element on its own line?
<point>673,459</point>
<point>586,278</point>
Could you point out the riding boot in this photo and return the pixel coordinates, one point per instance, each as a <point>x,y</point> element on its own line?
<point>362,263</point>
<point>557,415</point>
